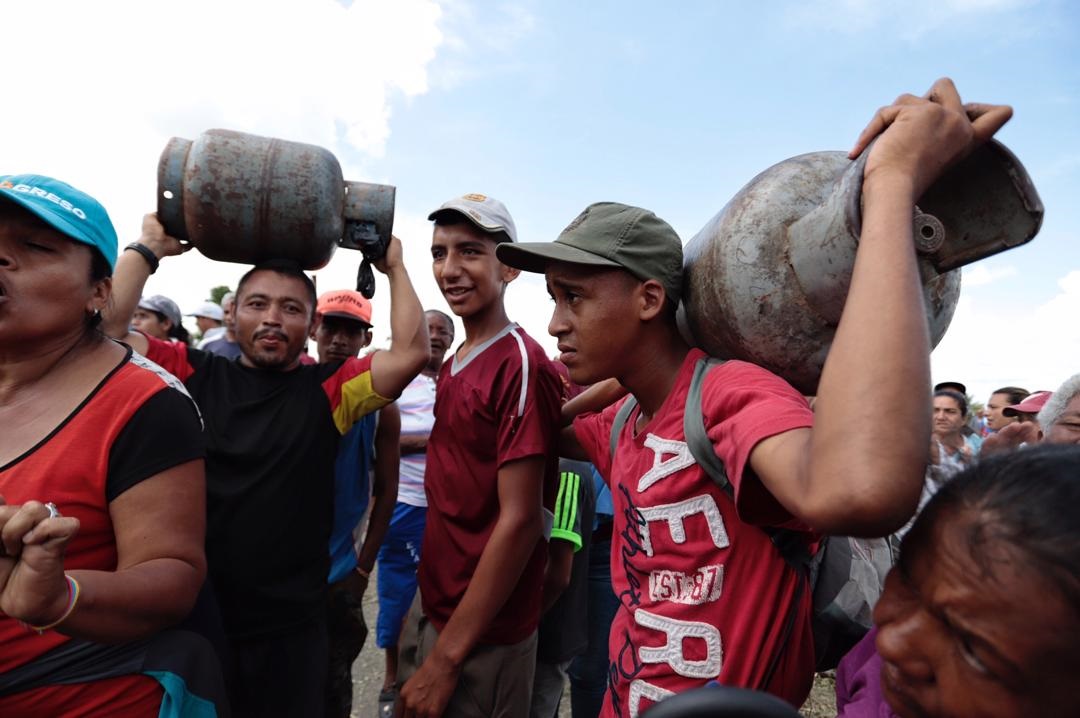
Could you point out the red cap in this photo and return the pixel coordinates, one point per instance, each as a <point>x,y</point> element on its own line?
<point>345,303</point>
<point>1033,404</point>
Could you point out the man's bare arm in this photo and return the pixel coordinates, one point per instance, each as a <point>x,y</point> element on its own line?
<point>384,485</point>
<point>854,473</point>
<point>595,398</point>
<point>414,443</point>
<point>557,574</point>
<point>519,526</point>
<point>1010,438</point>
<point>129,278</point>
<point>392,370</point>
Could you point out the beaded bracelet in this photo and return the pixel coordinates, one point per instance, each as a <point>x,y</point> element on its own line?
<point>73,598</point>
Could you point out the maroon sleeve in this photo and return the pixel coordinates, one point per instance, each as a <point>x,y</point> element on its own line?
<point>170,356</point>
<point>528,409</point>
<point>744,404</point>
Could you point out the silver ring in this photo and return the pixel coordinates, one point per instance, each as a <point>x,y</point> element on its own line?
<point>53,511</point>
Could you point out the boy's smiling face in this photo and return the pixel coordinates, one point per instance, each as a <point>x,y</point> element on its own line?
<point>469,275</point>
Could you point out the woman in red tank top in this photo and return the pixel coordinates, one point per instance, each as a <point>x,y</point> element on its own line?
<point>101,526</point>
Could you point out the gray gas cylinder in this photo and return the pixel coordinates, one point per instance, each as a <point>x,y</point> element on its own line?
<point>765,280</point>
<point>245,198</point>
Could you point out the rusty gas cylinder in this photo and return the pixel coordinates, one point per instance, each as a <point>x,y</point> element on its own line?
<point>245,198</point>
<point>766,279</point>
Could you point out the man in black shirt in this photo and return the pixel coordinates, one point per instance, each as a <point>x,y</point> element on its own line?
<point>272,429</point>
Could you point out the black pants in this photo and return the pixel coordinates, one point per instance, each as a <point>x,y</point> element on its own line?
<point>345,622</point>
<point>281,675</point>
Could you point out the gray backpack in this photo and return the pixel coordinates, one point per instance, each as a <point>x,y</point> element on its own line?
<point>846,575</point>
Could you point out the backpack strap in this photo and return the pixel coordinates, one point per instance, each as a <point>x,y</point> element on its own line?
<point>697,440</point>
<point>694,431</point>
<point>621,417</point>
<point>790,545</point>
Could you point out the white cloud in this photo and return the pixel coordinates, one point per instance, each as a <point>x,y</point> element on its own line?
<point>94,90</point>
<point>1035,349</point>
<point>471,29</point>
<point>100,104</point>
<point>979,275</point>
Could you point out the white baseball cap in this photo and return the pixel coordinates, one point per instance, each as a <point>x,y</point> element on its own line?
<point>487,213</point>
<point>208,310</point>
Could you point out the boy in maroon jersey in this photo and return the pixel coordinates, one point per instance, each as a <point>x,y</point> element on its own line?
<point>491,465</point>
<point>704,595</point>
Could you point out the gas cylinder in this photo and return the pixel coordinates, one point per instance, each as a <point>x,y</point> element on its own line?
<point>765,280</point>
<point>245,198</point>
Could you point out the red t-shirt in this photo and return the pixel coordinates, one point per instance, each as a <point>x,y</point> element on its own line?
<point>75,468</point>
<point>704,595</point>
<point>498,404</point>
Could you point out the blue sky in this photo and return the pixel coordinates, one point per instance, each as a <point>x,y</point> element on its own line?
<point>551,106</point>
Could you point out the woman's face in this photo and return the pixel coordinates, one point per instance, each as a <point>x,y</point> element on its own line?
<point>45,288</point>
<point>948,419</point>
<point>151,323</point>
<point>994,406</point>
<point>958,637</point>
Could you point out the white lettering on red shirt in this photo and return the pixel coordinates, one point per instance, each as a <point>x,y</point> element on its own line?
<point>679,625</point>
<point>640,689</point>
<point>671,652</point>
<point>661,468</point>
<point>703,586</point>
<point>675,514</point>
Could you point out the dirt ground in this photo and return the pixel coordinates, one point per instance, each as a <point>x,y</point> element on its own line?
<point>822,700</point>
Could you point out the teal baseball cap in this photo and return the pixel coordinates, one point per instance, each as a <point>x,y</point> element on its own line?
<point>69,211</point>
<point>609,235</point>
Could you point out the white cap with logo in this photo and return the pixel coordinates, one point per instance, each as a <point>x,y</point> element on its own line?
<point>487,213</point>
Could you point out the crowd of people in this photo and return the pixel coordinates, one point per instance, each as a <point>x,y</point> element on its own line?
<point>189,528</point>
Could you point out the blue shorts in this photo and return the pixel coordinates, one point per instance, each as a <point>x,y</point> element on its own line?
<point>398,558</point>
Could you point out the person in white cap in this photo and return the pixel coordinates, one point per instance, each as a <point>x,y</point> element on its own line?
<point>209,317</point>
<point>223,342</point>
<point>468,646</point>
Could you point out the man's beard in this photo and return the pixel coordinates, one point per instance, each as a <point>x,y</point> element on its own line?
<point>270,360</point>
<point>265,360</point>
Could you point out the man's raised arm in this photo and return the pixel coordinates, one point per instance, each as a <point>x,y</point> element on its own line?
<point>392,370</point>
<point>133,268</point>
<point>854,473</point>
